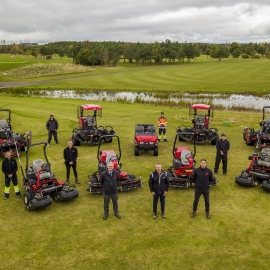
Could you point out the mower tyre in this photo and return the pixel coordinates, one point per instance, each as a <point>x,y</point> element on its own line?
<point>156,151</point>
<point>266,185</point>
<point>75,141</point>
<point>245,181</point>
<point>27,198</point>
<point>136,151</point>
<point>214,141</point>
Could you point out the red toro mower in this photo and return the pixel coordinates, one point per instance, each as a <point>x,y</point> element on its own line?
<point>201,125</point>
<point>88,131</point>
<point>127,181</point>
<point>181,173</point>
<point>9,140</point>
<point>258,170</point>
<point>261,136</point>
<point>145,139</point>
<point>41,184</point>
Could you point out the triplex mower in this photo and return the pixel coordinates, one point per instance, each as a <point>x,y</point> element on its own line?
<point>201,125</point>
<point>40,183</point>
<point>9,140</point>
<point>258,170</point>
<point>88,131</point>
<point>145,139</point>
<point>181,173</point>
<point>127,181</point>
<point>261,136</point>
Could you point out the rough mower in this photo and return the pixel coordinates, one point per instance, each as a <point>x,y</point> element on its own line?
<point>201,125</point>
<point>258,170</point>
<point>181,173</point>
<point>127,181</point>
<point>145,139</point>
<point>9,140</point>
<point>41,184</point>
<point>88,132</point>
<point>261,136</point>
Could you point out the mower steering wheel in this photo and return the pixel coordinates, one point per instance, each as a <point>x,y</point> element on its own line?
<point>188,155</point>
<point>263,155</point>
<point>113,157</point>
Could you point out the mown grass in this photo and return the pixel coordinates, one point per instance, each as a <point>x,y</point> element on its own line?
<point>201,75</point>
<point>73,235</point>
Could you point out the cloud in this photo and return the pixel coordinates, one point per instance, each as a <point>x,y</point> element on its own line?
<point>143,21</point>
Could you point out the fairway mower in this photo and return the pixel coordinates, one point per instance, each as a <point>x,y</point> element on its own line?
<point>9,140</point>
<point>88,132</point>
<point>145,139</point>
<point>127,181</point>
<point>201,126</point>
<point>258,170</point>
<point>181,173</point>
<point>40,183</point>
<point>261,136</point>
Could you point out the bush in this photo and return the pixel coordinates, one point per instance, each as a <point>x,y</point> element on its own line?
<point>256,56</point>
<point>246,56</point>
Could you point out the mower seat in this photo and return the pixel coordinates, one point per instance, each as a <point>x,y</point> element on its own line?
<point>266,161</point>
<point>184,160</point>
<point>90,121</point>
<point>139,129</point>
<point>37,166</point>
<point>3,125</point>
<point>108,157</point>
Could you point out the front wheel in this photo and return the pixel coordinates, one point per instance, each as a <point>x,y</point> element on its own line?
<point>27,198</point>
<point>156,151</point>
<point>136,151</point>
<point>75,141</point>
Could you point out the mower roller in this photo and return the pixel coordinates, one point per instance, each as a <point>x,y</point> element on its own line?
<point>127,181</point>
<point>40,183</point>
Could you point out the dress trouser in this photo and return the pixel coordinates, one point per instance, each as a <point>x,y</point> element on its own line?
<point>107,201</point>
<point>54,133</point>
<point>157,197</point>
<point>74,165</point>
<point>224,159</point>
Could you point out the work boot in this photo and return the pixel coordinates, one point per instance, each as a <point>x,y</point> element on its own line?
<point>154,215</point>
<point>163,215</point>
<point>67,181</point>
<point>77,181</point>
<point>208,215</point>
<point>193,214</point>
<point>165,140</point>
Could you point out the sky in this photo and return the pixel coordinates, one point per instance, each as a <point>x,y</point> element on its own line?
<point>209,21</point>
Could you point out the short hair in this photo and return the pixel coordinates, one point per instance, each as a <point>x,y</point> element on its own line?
<point>203,159</point>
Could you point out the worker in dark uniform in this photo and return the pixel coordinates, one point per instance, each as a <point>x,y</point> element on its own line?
<point>52,127</point>
<point>223,146</point>
<point>70,156</point>
<point>9,168</point>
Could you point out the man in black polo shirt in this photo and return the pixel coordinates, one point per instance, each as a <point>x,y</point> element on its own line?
<point>202,177</point>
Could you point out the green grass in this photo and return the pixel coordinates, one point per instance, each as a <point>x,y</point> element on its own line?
<point>73,235</point>
<point>201,75</point>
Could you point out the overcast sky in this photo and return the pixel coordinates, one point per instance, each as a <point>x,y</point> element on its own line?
<point>213,21</point>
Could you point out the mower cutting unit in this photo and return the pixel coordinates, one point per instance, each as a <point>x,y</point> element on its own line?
<point>258,170</point>
<point>127,181</point>
<point>8,138</point>
<point>181,173</point>
<point>145,139</point>
<point>262,136</point>
<point>201,125</point>
<point>40,183</point>
<point>88,131</point>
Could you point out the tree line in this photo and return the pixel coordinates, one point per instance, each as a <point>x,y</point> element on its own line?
<point>109,53</point>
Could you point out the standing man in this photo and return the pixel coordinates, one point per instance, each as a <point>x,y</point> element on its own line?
<point>52,126</point>
<point>162,123</point>
<point>202,177</point>
<point>70,156</point>
<point>9,168</point>
<point>110,180</point>
<point>159,186</point>
<point>223,147</point>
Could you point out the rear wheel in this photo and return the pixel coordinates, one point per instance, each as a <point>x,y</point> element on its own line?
<point>156,151</point>
<point>136,151</point>
<point>75,141</point>
<point>214,141</point>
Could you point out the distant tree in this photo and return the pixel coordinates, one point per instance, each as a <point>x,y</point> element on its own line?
<point>219,51</point>
<point>128,52</point>
<point>190,51</point>
<point>235,49</point>
<point>14,49</point>
<point>249,49</point>
<point>261,49</point>
<point>61,52</point>
<point>34,53</point>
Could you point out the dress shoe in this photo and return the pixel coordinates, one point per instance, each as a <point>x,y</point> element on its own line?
<point>193,215</point>
<point>154,215</point>
<point>208,215</point>
<point>117,215</point>
<point>105,216</point>
<point>163,215</point>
